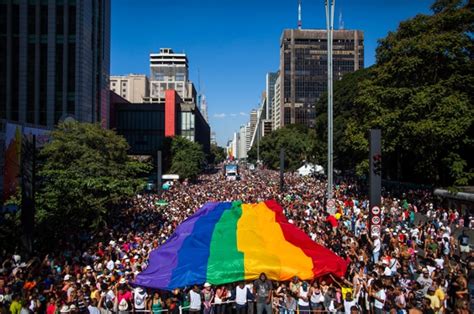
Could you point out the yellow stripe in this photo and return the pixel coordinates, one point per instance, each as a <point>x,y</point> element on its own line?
<point>265,249</point>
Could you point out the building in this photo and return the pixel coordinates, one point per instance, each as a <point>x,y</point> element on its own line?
<point>270,81</point>
<point>276,105</point>
<point>242,142</point>
<point>145,125</point>
<point>133,87</point>
<point>54,61</point>
<point>303,69</point>
<point>203,106</point>
<point>213,138</point>
<point>170,70</point>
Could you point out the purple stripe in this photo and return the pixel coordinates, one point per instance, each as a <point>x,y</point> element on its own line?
<point>164,259</point>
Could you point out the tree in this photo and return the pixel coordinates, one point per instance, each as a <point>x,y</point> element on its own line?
<point>187,158</point>
<point>420,93</point>
<point>295,139</point>
<point>217,154</point>
<point>84,172</point>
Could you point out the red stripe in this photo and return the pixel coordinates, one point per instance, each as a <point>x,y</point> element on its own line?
<point>324,261</point>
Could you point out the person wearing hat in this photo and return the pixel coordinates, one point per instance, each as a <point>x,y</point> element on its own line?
<point>139,298</point>
<point>207,298</point>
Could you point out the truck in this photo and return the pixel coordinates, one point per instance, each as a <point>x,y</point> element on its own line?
<point>231,172</point>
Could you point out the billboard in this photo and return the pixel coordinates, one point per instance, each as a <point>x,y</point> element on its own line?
<point>15,136</point>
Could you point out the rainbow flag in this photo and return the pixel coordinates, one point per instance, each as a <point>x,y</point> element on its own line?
<point>229,241</point>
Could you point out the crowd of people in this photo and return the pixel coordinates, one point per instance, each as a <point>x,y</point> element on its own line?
<point>416,265</point>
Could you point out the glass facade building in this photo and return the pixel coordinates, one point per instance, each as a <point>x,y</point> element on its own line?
<point>54,61</point>
<point>303,69</point>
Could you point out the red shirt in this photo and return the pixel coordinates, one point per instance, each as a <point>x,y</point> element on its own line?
<point>332,220</point>
<point>51,309</point>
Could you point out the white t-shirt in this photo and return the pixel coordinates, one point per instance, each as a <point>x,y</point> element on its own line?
<point>381,295</point>
<point>195,300</point>
<point>139,299</point>
<point>241,295</point>
<point>348,305</point>
<point>377,245</point>
<point>303,293</point>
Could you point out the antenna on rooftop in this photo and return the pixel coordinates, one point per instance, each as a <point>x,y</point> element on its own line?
<point>341,22</point>
<point>300,23</point>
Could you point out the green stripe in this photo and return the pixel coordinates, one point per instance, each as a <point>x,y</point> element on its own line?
<point>225,263</point>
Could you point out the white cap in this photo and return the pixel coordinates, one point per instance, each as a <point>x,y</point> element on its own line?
<point>67,277</point>
<point>88,267</point>
<point>207,285</point>
<point>122,281</point>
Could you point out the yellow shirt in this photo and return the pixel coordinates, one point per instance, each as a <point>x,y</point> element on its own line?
<point>435,303</point>
<point>15,307</point>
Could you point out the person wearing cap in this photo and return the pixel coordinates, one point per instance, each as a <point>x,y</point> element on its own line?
<point>207,298</point>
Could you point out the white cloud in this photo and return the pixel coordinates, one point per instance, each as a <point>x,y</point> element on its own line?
<point>243,113</point>
<point>233,115</point>
<point>220,115</point>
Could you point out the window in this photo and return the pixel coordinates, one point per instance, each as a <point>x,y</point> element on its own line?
<point>124,90</point>
<point>113,84</point>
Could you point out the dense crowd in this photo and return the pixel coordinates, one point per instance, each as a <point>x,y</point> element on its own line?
<point>415,266</point>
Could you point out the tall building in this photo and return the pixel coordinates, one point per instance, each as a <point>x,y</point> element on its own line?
<point>54,61</point>
<point>242,142</point>
<point>303,69</point>
<point>203,106</point>
<point>169,70</point>
<point>276,105</point>
<point>133,87</point>
<point>271,79</point>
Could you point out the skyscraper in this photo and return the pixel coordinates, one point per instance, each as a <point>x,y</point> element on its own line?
<point>169,70</point>
<point>54,61</point>
<point>303,69</point>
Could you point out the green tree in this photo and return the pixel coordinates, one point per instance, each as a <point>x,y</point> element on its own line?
<point>187,158</point>
<point>297,141</point>
<point>84,172</point>
<point>217,154</point>
<point>420,93</point>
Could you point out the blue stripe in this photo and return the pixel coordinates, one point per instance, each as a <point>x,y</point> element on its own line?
<point>194,252</point>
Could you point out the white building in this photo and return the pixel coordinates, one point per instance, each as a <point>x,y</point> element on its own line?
<point>132,87</point>
<point>242,145</point>
<point>169,70</point>
<point>276,104</point>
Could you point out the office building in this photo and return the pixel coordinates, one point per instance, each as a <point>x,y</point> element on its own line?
<point>170,70</point>
<point>133,87</point>
<point>270,81</point>
<point>145,125</point>
<point>276,105</point>
<point>242,142</point>
<point>54,61</point>
<point>303,69</point>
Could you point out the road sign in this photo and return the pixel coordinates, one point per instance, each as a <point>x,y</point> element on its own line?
<point>376,220</point>
<point>375,210</point>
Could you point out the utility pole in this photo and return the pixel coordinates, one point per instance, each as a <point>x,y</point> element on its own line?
<point>329,29</point>
<point>282,169</point>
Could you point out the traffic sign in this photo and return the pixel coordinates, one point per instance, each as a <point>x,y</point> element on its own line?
<point>375,210</point>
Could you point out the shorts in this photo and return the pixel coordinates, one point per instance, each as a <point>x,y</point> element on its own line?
<point>464,248</point>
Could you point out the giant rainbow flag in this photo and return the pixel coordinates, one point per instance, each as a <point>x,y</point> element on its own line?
<point>229,241</point>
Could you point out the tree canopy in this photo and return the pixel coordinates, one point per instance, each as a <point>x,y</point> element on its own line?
<point>187,158</point>
<point>295,139</point>
<point>419,93</point>
<point>84,171</point>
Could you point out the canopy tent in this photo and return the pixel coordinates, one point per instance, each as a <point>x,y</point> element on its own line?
<point>229,241</point>
<point>308,169</point>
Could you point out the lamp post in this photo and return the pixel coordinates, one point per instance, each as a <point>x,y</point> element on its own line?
<point>329,29</point>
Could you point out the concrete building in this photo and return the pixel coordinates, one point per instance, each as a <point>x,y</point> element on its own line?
<point>170,70</point>
<point>270,81</point>
<point>303,69</point>
<point>242,144</point>
<point>276,105</point>
<point>145,125</point>
<point>133,87</point>
<point>54,61</point>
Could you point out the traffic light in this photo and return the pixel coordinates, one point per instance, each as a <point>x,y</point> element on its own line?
<point>377,164</point>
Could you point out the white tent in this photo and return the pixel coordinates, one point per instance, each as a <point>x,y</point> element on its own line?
<point>308,169</point>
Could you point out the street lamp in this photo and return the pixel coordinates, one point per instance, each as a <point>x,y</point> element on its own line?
<point>329,29</point>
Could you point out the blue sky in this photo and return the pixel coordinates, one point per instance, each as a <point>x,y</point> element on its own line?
<point>235,43</point>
